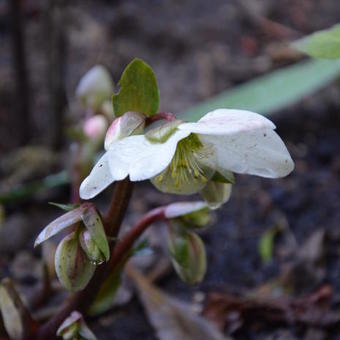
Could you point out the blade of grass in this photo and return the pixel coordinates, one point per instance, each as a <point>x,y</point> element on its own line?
<point>29,189</point>
<point>273,91</point>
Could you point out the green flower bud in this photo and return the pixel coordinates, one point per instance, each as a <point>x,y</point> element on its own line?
<point>187,253</point>
<point>94,225</point>
<point>73,268</point>
<point>216,193</point>
<point>90,247</point>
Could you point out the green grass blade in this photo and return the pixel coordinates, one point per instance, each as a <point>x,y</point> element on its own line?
<point>274,91</point>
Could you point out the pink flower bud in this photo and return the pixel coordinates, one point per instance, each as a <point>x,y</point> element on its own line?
<point>95,126</point>
<point>129,124</point>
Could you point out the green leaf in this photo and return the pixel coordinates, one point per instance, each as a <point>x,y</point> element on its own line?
<point>107,292</point>
<point>65,207</point>
<point>273,91</point>
<point>266,243</point>
<point>138,90</point>
<point>321,44</point>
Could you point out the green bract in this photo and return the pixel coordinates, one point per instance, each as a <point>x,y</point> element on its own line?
<point>73,268</point>
<point>74,327</point>
<point>138,90</point>
<point>187,253</point>
<point>162,133</point>
<point>321,44</point>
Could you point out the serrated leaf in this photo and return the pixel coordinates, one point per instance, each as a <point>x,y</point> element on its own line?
<point>94,225</point>
<point>58,225</point>
<point>138,90</point>
<point>73,268</point>
<point>321,44</point>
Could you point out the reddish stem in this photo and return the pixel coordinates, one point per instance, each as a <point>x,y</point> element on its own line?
<point>117,207</point>
<point>124,246</point>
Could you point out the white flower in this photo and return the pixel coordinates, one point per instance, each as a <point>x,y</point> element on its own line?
<point>223,140</point>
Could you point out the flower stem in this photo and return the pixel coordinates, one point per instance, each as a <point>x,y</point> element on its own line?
<point>117,207</point>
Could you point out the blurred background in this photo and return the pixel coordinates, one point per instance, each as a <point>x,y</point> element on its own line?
<point>274,237</point>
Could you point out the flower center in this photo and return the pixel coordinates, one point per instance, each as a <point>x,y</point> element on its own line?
<point>192,166</point>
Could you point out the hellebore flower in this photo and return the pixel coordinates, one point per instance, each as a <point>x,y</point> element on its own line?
<point>183,158</point>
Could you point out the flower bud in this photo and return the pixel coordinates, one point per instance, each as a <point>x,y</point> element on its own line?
<point>187,253</point>
<point>130,123</point>
<point>95,126</point>
<point>73,268</point>
<point>16,318</point>
<point>216,193</point>
<point>74,327</point>
<point>90,248</point>
<point>95,87</point>
<point>94,226</point>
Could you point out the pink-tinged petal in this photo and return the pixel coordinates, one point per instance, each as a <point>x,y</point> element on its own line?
<point>227,122</point>
<point>257,152</point>
<point>131,123</point>
<point>137,157</point>
<point>62,222</point>
<point>99,178</point>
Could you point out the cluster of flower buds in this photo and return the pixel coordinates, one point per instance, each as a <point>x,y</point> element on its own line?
<point>81,250</point>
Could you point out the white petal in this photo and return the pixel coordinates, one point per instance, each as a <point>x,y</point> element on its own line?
<point>139,158</point>
<point>99,178</point>
<point>183,208</point>
<point>257,152</point>
<point>226,122</point>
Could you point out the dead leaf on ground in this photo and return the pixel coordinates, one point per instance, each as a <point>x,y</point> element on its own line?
<point>231,312</point>
<point>171,319</point>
